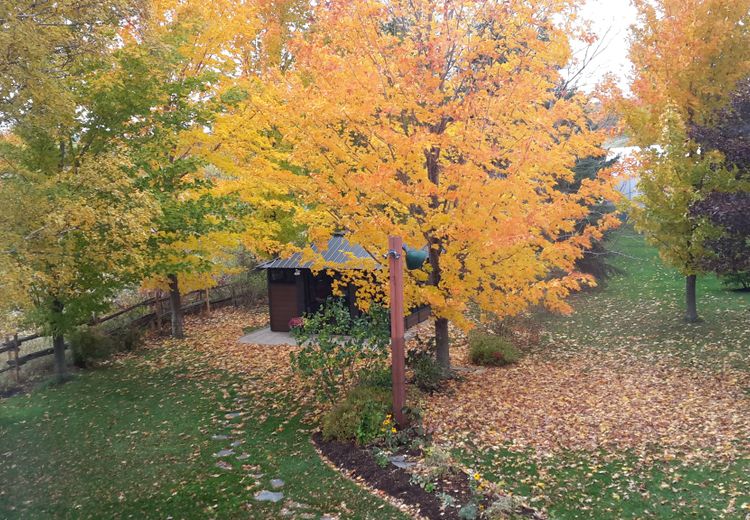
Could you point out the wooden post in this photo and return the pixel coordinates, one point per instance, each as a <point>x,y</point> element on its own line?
<point>398,376</point>
<point>157,310</point>
<point>8,343</point>
<point>208,302</point>
<point>16,348</point>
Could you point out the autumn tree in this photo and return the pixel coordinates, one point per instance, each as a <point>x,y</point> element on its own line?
<point>688,55</point>
<point>729,210</point>
<point>214,171</point>
<point>73,225</point>
<point>440,121</point>
<point>41,45</point>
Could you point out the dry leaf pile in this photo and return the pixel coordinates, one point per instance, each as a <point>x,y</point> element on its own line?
<point>212,344</point>
<point>586,400</point>
<point>592,400</point>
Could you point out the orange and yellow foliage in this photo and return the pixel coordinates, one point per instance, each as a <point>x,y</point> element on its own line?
<point>441,121</point>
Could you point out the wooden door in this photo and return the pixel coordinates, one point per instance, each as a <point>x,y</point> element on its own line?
<point>283,303</point>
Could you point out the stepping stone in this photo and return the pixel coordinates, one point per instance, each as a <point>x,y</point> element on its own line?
<point>223,465</point>
<point>291,504</point>
<point>277,483</point>
<point>400,462</point>
<point>244,456</point>
<point>233,415</point>
<point>224,453</point>
<point>268,496</point>
<point>219,437</point>
<point>236,443</point>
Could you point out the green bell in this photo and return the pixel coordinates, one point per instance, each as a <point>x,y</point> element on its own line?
<point>415,258</point>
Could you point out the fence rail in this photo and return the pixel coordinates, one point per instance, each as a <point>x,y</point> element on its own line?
<point>157,315</point>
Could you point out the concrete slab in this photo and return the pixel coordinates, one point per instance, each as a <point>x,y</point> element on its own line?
<point>266,336</point>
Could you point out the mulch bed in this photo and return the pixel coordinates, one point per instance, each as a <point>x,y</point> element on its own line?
<point>395,482</point>
<point>391,480</point>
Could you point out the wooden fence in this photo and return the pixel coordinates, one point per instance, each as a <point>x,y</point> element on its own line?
<point>154,311</point>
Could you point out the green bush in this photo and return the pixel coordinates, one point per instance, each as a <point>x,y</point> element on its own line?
<point>359,417</point>
<point>428,374</point>
<point>336,348</point>
<point>491,350</point>
<point>739,280</point>
<point>422,360</point>
<point>438,463</point>
<point>379,376</point>
<point>126,339</point>
<point>90,345</point>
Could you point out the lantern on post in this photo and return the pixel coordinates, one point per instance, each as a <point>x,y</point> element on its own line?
<point>415,258</point>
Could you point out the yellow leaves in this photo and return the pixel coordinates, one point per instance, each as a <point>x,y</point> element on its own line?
<point>368,109</point>
<point>79,231</point>
<point>689,54</point>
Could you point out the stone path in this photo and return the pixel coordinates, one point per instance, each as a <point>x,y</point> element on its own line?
<point>228,455</point>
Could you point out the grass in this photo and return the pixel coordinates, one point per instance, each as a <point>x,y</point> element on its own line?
<point>643,310</point>
<point>136,442</point>
<point>578,485</point>
<point>640,310</point>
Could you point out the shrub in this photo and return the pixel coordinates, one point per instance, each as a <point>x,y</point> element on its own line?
<point>336,348</point>
<point>739,280</point>
<point>504,507</point>
<point>379,376</point>
<point>126,339</point>
<point>90,345</point>
<point>428,374</point>
<point>438,463</point>
<point>491,350</point>
<point>422,360</point>
<point>359,417</point>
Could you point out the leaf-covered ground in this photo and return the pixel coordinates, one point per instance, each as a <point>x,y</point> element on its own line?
<point>624,410</point>
<point>143,438</point>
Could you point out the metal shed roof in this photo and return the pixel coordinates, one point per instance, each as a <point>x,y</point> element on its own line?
<point>338,251</point>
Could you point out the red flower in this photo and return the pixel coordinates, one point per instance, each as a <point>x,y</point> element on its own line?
<point>296,322</point>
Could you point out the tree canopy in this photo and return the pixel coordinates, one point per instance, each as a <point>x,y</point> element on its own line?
<point>441,122</point>
<point>688,56</point>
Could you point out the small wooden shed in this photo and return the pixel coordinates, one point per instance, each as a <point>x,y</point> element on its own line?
<point>294,290</point>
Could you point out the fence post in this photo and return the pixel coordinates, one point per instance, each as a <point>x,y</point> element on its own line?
<point>16,348</point>
<point>157,310</point>
<point>208,302</point>
<point>234,300</point>
<point>8,343</point>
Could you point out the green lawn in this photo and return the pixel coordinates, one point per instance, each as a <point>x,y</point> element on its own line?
<point>640,310</point>
<point>136,442</point>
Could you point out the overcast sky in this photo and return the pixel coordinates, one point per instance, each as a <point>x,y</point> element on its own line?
<point>617,16</point>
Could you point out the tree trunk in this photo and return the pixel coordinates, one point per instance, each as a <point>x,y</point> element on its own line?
<point>441,341</point>
<point>58,342</point>
<point>175,303</point>
<point>435,249</point>
<point>58,346</point>
<point>691,314</point>
<point>441,324</point>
